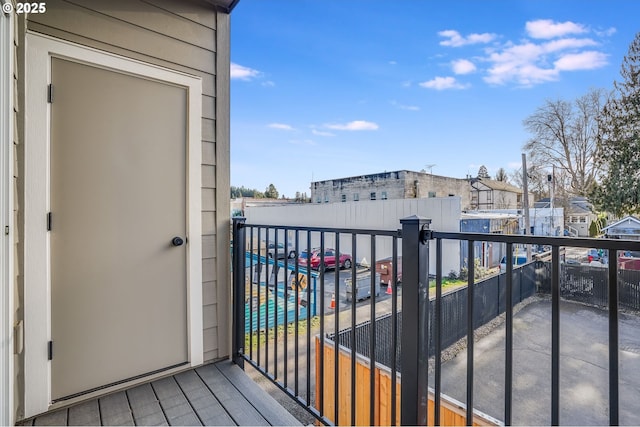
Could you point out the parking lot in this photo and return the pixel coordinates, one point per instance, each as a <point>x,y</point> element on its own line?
<point>584,369</point>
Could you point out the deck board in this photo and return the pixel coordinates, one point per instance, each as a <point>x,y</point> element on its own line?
<point>266,405</point>
<point>175,405</point>
<point>217,394</point>
<point>230,398</point>
<point>84,414</point>
<point>115,410</point>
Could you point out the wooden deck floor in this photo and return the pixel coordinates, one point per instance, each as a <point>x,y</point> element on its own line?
<point>211,395</point>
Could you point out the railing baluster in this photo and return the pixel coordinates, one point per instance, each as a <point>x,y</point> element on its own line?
<point>322,338</point>
<point>555,335</point>
<point>251,274</point>
<point>372,335</point>
<point>308,309</point>
<point>613,339</point>
<point>470,331</point>
<point>285,292</point>
<point>297,318</point>
<point>266,298</point>
<point>275,299</point>
<point>394,327</point>
<point>353,330</point>
<point>508,368</point>
<point>336,373</point>
<point>438,334</point>
<point>259,284</point>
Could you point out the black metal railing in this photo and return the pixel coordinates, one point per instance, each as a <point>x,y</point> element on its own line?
<point>278,341</point>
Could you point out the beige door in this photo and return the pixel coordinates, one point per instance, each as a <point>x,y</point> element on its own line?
<point>118,199</point>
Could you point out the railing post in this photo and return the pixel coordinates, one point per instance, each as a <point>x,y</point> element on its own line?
<point>415,326</point>
<point>238,264</point>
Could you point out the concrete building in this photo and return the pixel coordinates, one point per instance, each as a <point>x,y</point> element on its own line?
<point>475,193</point>
<point>401,184</point>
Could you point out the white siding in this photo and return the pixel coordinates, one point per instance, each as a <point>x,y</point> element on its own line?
<point>379,215</point>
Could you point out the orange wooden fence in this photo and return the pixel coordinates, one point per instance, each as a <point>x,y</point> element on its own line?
<point>452,412</point>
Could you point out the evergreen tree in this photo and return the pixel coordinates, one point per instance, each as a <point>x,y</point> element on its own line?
<point>271,192</point>
<point>619,141</point>
<point>483,173</point>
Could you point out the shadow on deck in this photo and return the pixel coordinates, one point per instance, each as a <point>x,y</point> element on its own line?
<point>214,394</point>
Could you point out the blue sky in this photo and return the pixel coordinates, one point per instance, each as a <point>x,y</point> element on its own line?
<point>330,89</point>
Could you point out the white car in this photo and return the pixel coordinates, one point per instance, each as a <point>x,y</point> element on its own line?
<point>281,252</point>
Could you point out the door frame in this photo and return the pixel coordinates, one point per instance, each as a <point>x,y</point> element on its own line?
<point>37,254</point>
<point>7,243</point>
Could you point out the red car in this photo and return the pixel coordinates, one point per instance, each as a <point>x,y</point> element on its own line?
<point>313,259</point>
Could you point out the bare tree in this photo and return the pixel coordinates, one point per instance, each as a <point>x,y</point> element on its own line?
<point>501,175</point>
<point>536,181</point>
<point>564,136</point>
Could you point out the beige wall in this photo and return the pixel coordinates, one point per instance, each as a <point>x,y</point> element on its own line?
<point>394,185</point>
<point>186,36</point>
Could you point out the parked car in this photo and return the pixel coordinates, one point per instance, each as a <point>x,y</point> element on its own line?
<point>594,255</point>
<point>281,252</point>
<point>385,268</point>
<point>312,259</point>
<point>518,259</point>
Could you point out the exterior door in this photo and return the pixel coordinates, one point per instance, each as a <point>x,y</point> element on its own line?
<point>118,198</point>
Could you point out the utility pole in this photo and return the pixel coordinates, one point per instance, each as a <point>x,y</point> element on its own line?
<point>525,202</point>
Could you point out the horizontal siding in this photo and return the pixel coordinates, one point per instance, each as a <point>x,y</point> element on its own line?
<point>208,130</point>
<point>208,246</point>
<point>208,81</point>
<point>178,35</point>
<point>208,107</point>
<point>211,344</point>
<point>152,18</point>
<point>96,26</point>
<point>186,9</point>
<point>208,153</point>
<point>209,295</point>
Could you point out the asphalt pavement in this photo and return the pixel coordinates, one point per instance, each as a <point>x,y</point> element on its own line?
<point>584,369</point>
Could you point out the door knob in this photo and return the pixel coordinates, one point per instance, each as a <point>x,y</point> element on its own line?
<point>177,241</point>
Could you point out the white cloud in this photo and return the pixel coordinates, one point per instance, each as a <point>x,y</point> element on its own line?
<point>241,72</point>
<point>268,83</point>
<point>581,61</point>
<point>354,125</point>
<point>529,63</point>
<point>322,133</point>
<point>463,66</point>
<point>548,29</point>
<point>405,107</point>
<point>443,83</point>
<point>455,39</point>
<point>281,126</point>
<point>392,62</point>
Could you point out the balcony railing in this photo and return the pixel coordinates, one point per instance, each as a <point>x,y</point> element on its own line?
<point>352,362</point>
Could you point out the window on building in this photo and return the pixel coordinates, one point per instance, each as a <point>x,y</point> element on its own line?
<point>326,197</point>
<point>356,197</point>
<point>383,195</point>
<point>318,200</point>
<point>583,219</point>
<point>373,195</point>
<point>432,194</point>
<point>344,197</point>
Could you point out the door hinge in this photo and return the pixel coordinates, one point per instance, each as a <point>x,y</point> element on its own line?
<point>49,221</point>
<point>50,94</point>
<point>50,350</point>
